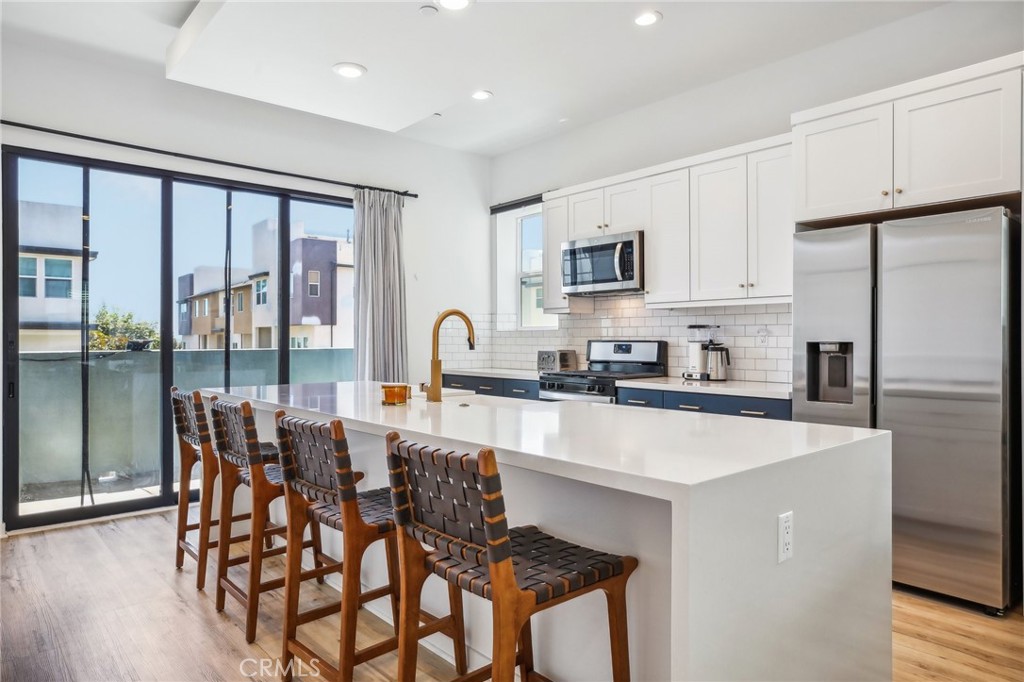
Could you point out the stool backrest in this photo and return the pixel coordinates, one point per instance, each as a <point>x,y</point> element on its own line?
<point>190,417</point>
<point>450,500</point>
<point>315,460</point>
<point>234,433</point>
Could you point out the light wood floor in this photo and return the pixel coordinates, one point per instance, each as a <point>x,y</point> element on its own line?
<point>103,602</point>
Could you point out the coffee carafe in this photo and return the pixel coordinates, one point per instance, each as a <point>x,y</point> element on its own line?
<point>701,337</point>
<point>718,362</point>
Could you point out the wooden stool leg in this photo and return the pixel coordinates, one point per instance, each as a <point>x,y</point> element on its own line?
<point>458,628</point>
<point>268,539</point>
<point>394,581</point>
<point>297,520</point>
<point>260,517</point>
<point>351,589</point>
<point>228,485</point>
<point>616,595</point>
<point>318,549</point>
<point>205,521</point>
<point>526,651</point>
<point>411,558</point>
<point>506,634</point>
<point>183,492</point>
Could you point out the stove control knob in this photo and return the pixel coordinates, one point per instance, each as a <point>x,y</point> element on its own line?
<point>600,389</point>
<point>591,389</point>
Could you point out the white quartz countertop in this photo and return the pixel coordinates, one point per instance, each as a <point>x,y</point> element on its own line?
<point>497,373</point>
<point>650,452</point>
<point>749,389</point>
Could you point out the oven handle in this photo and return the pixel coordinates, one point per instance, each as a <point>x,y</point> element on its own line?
<point>618,260</point>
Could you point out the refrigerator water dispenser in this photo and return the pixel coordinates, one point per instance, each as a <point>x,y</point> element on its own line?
<point>830,372</point>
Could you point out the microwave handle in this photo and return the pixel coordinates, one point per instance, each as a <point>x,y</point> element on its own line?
<point>618,260</point>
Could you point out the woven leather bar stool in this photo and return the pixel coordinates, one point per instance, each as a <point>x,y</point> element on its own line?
<point>195,446</point>
<point>452,502</point>
<point>243,463</point>
<point>320,488</point>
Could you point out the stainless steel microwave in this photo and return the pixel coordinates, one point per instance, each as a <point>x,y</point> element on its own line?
<point>610,264</point>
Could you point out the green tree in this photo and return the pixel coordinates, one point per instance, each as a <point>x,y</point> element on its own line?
<point>114,329</point>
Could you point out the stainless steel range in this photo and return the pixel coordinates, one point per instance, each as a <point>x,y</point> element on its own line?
<point>607,361</point>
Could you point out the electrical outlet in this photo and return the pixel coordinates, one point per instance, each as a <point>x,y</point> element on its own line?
<point>762,336</point>
<point>785,536</point>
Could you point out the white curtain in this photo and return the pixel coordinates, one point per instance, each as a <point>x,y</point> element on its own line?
<point>381,346</point>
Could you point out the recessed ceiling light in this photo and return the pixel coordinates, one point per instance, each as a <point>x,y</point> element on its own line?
<point>647,18</point>
<point>428,10</point>
<point>349,69</point>
<point>483,94</point>
<point>454,4</point>
<point>563,120</point>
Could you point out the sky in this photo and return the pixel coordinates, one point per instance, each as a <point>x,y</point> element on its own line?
<point>124,228</point>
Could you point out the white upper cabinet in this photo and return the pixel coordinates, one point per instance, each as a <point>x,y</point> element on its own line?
<point>718,230</point>
<point>618,208</point>
<point>954,136</point>
<point>958,142</point>
<point>667,239</point>
<point>556,231</point>
<point>770,224</point>
<point>844,163</point>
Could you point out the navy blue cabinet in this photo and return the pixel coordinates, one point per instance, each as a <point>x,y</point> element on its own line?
<point>517,388</point>
<point>484,385</point>
<point>740,406</point>
<point>639,397</point>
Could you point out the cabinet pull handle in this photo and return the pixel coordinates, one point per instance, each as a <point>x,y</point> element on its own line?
<point>899,191</point>
<point>637,402</point>
<point>606,226</point>
<point>487,388</point>
<point>519,390</point>
<point>695,408</point>
<point>742,285</point>
<point>454,385</point>
<point>885,192</point>
<point>754,413</point>
<point>750,284</point>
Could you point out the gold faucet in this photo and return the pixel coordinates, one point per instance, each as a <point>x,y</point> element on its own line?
<point>434,389</point>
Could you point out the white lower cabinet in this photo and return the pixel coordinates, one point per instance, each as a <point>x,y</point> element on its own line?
<point>667,240</point>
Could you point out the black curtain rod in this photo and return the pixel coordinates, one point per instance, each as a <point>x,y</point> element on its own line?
<point>517,203</point>
<point>193,157</point>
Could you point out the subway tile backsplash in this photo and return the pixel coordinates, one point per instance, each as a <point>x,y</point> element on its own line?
<point>625,317</point>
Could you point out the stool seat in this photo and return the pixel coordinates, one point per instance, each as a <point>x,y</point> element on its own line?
<point>374,508</point>
<point>543,564</point>
<point>272,471</point>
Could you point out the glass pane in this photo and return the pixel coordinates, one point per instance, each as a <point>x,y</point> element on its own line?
<point>27,266</point>
<point>26,286</point>
<point>57,267</point>
<point>58,288</point>
<point>254,264</point>
<point>125,393</point>
<point>321,329</point>
<point>50,429</point>
<point>531,304</point>
<point>199,235</point>
<point>531,243</point>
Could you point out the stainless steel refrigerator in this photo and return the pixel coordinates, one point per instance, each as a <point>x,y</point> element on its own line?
<point>913,326</point>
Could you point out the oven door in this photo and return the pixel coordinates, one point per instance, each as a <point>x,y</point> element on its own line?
<point>612,263</point>
<point>552,396</point>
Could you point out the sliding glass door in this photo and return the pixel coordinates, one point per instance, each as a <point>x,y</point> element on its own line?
<point>121,281</point>
<point>88,312</point>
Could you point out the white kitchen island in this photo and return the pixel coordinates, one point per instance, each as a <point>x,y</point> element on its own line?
<point>696,497</point>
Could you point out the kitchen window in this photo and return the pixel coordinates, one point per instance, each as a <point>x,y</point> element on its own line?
<point>261,292</point>
<point>530,275</point>
<point>58,277</point>
<point>27,276</point>
<point>313,286</point>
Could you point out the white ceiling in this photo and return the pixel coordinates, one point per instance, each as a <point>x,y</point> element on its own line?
<point>581,61</point>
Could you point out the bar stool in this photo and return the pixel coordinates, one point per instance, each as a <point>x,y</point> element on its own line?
<point>195,446</point>
<point>242,462</point>
<point>452,501</point>
<point>320,487</point>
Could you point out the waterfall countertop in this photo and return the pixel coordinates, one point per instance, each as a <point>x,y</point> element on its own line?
<point>609,445</point>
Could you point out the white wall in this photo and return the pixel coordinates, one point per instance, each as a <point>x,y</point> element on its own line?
<point>758,103</point>
<point>447,229</point>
